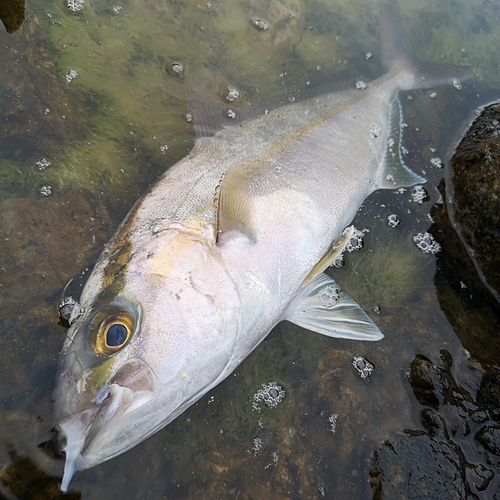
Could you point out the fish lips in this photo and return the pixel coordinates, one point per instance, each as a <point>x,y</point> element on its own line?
<point>83,433</point>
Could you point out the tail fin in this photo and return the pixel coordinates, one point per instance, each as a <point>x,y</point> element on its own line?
<point>395,52</point>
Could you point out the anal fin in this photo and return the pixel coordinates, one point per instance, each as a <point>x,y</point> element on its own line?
<point>322,307</point>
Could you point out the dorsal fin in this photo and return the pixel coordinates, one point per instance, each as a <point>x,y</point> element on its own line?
<point>235,209</point>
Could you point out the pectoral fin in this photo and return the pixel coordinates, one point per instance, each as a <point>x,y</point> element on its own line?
<point>235,209</point>
<point>322,307</point>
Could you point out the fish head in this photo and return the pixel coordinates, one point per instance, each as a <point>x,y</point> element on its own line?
<point>142,353</point>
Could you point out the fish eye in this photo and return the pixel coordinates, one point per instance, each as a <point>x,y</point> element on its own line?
<point>116,335</point>
<point>110,331</point>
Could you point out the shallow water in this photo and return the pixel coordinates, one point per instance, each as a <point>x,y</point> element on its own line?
<point>99,93</point>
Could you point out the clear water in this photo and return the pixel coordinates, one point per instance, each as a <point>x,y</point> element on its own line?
<point>101,93</point>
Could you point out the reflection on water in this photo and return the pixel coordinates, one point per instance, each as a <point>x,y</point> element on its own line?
<point>95,105</point>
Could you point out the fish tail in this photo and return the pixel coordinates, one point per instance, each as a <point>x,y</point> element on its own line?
<point>396,55</point>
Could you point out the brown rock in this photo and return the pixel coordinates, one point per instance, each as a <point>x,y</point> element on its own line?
<point>12,14</point>
<point>476,182</point>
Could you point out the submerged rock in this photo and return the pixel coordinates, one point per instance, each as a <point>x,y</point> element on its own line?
<point>444,461</point>
<point>37,113</point>
<point>44,243</point>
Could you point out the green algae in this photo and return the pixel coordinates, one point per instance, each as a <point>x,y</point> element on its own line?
<point>464,33</point>
<point>385,274</point>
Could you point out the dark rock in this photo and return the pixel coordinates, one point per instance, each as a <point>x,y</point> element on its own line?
<point>469,306</point>
<point>476,183</point>
<point>12,14</point>
<point>489,437</point>
<point>418,466</point>
<point>488,395</point>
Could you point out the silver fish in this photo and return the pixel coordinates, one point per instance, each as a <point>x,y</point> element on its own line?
<point>201,270</point>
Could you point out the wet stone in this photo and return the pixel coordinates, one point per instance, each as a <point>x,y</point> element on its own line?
<point>476,184</point>
<point>12,14</point>
<point>418,466</point>
<point>432,463</point>
<point>489,437</point>
<point>469,306</point>
<point>488,395</point>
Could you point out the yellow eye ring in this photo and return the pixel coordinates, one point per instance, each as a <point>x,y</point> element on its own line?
<point>113,332</point>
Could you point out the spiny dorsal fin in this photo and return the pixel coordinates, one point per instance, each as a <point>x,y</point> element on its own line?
<point>235,209</point>
<point>331,254</point>
<point>323,307</point>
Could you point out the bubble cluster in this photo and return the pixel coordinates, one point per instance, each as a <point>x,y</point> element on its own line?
<point>43,163</point>
<point>333,422</point>
<point>356,241</point>
<point>328,296</point>
<point>232,93</point>
<point>76,5</point>
<point>259,23</point>
<point>418,194</point>
<point>175,68</point>
<point>72,74</point>
<point>393,220</point>
<point>46,190</point>
<point>457,84</point>
<point>437,162</point>
<point>362,366</point>
<point>116,10</point>
<point>426,243</point>
<point>360,85</point>
<point>257,445</point>
<point>231,113</point>
<point>271,394</point>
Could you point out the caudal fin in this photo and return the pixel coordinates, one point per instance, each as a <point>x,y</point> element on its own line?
<point>395,50</point>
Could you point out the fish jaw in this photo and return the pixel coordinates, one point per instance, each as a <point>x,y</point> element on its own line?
<point>88,434</point>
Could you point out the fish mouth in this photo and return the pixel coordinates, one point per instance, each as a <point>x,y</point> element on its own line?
<point>81,433</point>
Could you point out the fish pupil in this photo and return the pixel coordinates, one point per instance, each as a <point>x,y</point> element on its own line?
<point>116,336</point>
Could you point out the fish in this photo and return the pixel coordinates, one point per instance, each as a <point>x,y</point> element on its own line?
<point>233,239</point>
